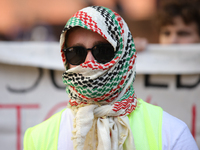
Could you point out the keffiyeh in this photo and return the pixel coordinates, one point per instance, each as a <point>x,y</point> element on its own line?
<point>102,95</point>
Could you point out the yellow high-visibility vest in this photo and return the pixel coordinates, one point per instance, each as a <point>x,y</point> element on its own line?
<point>146,126</point>
<point>145,123</point>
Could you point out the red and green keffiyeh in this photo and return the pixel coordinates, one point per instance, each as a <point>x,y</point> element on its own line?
<point>103,90</point>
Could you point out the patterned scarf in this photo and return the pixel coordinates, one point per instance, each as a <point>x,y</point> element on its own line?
<point>102,95</point>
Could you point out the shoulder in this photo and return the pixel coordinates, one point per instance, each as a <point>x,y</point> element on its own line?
<point>151,110</point>
<point>176,134</point>
<point>43,132</point>
<point>147,112</point>
<point>148,105</point>
<point>49,123</point>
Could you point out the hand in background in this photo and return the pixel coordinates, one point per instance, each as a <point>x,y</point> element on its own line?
<point>140,43</point>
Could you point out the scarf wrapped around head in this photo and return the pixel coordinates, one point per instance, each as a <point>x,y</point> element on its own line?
<point>102,95</point>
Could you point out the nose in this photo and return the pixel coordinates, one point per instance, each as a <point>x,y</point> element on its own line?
<point>173,39</point>
<point>89,56</point>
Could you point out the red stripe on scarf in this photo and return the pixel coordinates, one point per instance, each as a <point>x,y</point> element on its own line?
<point>126,104</point>
<point>94,65</point>
<point>83,16</point>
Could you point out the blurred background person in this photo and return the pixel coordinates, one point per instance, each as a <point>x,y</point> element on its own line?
<point>179,22</point>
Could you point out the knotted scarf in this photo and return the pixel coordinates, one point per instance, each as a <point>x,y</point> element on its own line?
<point>102,95</point>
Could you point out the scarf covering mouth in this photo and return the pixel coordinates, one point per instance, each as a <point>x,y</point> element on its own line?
<point>102,95</point>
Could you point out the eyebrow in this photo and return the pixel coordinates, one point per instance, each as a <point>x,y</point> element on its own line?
<point>78,44</point>
<point>100,42</point>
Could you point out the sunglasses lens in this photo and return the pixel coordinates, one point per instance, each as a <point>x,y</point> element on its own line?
<point>103,53</point>
<point>75,55</point>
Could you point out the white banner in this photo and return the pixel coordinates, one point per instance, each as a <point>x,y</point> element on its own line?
<point>156,59</point>
<point>32,89</point>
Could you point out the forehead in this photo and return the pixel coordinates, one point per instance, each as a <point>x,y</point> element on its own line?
<point>179,24</point>
<point>82,36</point>
<point>79,31</point>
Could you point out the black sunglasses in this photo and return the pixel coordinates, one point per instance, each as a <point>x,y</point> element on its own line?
<point>76,55</point>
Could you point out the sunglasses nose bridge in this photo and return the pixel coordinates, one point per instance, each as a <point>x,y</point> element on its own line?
<point>89,49</point>
<point>89,55</point>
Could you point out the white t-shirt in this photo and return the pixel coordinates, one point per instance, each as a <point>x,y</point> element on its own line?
<point>175,133</point>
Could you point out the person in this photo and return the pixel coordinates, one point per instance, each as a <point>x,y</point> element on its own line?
<point>104,112</point>
<point>178,22</point>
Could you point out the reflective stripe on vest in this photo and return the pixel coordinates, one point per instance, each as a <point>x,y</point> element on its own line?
<point>146,126</point>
